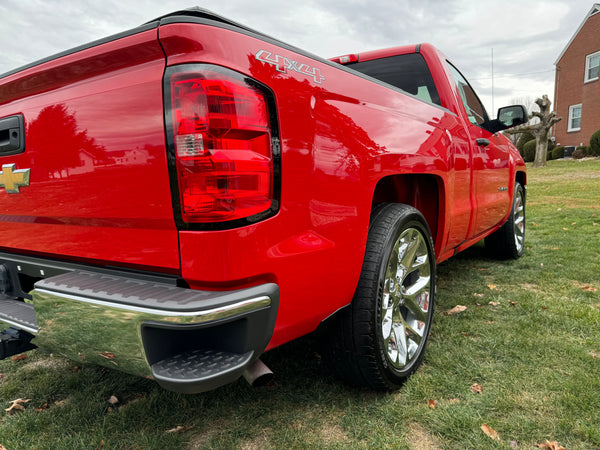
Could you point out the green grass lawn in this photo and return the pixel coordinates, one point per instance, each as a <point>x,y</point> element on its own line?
<point>534,352</point>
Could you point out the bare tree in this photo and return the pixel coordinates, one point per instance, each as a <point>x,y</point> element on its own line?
<point>529,103</point>
<point>541,129</point>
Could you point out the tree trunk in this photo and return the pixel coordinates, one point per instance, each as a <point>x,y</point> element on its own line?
<point>541,150</point>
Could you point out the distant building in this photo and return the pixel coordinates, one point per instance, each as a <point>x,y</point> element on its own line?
<point>577,84</point>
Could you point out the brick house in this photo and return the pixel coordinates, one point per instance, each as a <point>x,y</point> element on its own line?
<point>577,84</point>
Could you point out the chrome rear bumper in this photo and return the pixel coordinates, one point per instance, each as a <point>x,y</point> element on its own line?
<point>187,340</point>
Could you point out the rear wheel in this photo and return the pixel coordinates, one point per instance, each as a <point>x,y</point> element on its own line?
<point>380,339</point>
<point>508,241</point>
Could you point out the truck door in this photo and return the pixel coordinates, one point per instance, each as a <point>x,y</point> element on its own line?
<point>490,163</point>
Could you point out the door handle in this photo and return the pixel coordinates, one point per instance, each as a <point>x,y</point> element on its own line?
<point>12,135</point>
<point>482,142</point>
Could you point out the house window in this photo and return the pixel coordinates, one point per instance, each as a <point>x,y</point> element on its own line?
<point>574,118</point>
<point>592,64</point>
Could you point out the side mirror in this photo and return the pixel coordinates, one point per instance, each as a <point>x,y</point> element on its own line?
<point>511,116</point>
<point>508,117</point>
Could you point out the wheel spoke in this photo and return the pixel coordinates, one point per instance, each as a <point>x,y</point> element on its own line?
<point>400,337</point>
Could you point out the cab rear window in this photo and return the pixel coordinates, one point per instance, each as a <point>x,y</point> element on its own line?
<point>407,72</point>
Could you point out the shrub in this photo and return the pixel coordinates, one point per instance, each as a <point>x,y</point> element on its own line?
<point>525,137</point>
<point>529,151</point>
<point>595,144</point>
<point>579,152</point>
<point>558,152</point>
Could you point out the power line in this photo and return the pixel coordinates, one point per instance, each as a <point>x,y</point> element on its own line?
<point>511,75</point>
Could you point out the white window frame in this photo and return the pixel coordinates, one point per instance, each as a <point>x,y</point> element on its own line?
<point>571,110</point>
<point>588,60</point>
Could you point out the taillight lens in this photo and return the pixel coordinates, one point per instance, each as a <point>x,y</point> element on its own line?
<point>223,146</point>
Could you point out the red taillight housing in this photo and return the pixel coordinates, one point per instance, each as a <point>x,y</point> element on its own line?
<point>222,144</point>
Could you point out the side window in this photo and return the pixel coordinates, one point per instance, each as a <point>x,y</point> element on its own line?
<point>475,110</point>
<point>408,72</point>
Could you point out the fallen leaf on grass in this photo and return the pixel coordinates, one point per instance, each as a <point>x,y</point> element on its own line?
<point>107,355</point>
<point>544,307</point>
<point>595,355</point>
<point>453,400</point>
<point>492,286</point>
<point>101,444</point>
<point>534,224</point>
<point>551,446</point>
<point>594,224</point>
<point>476,388</point>
<point>589,288</point>
<point>494,303</point>
<point>179,429</point>
<point>2,447</point>
<point>432,404</point>
<point>75,369</point>
<point>477,295</point>
<point>490,322</point>
<point>20,357</point>
<point>42,408</point>
<point>565,229</point>
<point>456,310</point>
<point>512,303</point>
<point>514,444</point>
<point>16,405</point>
<point>464,333</point>
<point>490,432</point>
<point>113,400</point>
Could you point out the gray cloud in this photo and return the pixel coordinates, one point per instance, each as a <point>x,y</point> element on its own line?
<point>465,30</point>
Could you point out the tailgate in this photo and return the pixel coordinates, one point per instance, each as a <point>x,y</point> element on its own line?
<point>92,182</point>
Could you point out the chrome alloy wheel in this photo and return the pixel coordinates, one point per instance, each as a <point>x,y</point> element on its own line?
<point>519,220</point>
<point>405,306</point>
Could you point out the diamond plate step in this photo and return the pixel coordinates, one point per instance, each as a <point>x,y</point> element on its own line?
<point>18,313</point>
<point>199,365</point>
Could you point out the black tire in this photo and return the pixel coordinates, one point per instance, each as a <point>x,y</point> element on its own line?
<point>379,340</point>
<point>508,241</point>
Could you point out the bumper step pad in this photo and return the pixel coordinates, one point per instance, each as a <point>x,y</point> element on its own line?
<point>18,313</point>
<point>199,366</point>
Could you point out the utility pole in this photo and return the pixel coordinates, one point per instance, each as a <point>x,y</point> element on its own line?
<point>493,109</point>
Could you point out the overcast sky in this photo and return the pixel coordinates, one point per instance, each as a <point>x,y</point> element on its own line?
<point>526,36</point>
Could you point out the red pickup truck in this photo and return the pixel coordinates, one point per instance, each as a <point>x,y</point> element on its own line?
<point>181,197</point>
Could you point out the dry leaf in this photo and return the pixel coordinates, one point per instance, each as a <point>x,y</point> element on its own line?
<point>490,432</point>
<point>456,310</point>
<point>595,224</point>
<point>551,445</point>
<point>464,333</point>
<point>81,355</point>
<point>534,224</point>
<point>113,400</point>
<point>494,303</point>
<point>478,304</point>
<point>544,307</point>
<point>16,405</point>
<point>20,357</point>
<point>514,444</point>
<point>490,322</point>
<point>2,447</point>
<point>595,355</point>
<point>512,303</point>
<point>107,355</point>
<point>179,429</point>
<point>492,286</point>
<point>478,295</point>
<point>110,409</point>
<point>453,400</point>
<point>476,388</point>
<point>75,369</point>
<point>565,228</point>
<point>589,288</point>
<point>42,408</point>
<point>60,402</point>
<point>432,404</point>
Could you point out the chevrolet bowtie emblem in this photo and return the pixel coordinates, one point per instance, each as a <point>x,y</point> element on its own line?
<point>12,180</point>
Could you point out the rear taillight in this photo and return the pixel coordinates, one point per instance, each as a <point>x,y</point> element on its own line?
<point>222,143</point>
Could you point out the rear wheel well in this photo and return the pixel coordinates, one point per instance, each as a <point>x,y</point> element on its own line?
<point>422,192</point>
